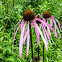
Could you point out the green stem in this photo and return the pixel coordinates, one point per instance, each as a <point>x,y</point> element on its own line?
<point>38,53</point>
<point>27,58</point>
<point>38,48</point>
<point>43,46</point>
<point>31,40</point>
<point>43,51</point>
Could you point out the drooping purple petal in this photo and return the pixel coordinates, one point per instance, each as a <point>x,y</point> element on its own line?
<point>32,24</point>
<point>19,27</point>
<point>43,27</point>
<point>57,27</point>
<point>18,22</point>
<point>40,25</point>
<point>49,35</point>
<point>47,31</point>
<point>51,21</point>
<point>21,41</point>
<point>41,35</point>
<point>22,24</point>
<point>44,22</point>
<point>28,39</point>
<point>37,34</point>
<point>57,22</point>
<point>16,26</point>
<point>17,30</point>
<point>60,36</point>
<point>25,37</point>
<point>47,25</point>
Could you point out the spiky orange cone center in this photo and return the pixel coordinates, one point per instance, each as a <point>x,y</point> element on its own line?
<point>28,15</point>
<point>47,14</point>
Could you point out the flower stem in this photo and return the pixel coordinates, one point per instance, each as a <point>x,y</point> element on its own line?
<point>43,46</point>
<point>61,35</point>
<point>38,53</point>
<point>38,48</point>
<point>31,40</point>
<point>46,19</point>
<point>27,58</point>
<point>43,51</point>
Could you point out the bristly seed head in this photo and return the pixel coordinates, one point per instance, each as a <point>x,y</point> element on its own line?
<point>36,58</point>
<point>47,14</point>
<point>28,15</point>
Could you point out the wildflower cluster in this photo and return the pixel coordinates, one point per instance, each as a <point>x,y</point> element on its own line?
<point>46,35</point>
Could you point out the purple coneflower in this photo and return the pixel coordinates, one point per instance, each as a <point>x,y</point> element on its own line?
<point>36,59</point>
<point>53,20</point>
<point>29,17</point>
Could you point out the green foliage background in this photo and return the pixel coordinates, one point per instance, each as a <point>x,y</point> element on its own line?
<point>12,11</point>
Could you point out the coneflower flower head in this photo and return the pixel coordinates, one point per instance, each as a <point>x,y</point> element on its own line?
<point>28,15</point>
<point>36,59</point>
<point>47,14</point>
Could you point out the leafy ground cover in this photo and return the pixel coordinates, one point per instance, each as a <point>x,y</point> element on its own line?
<point>11,11</point>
